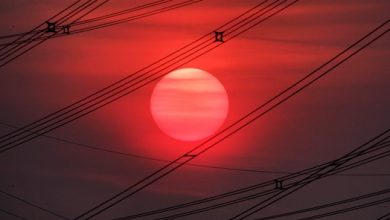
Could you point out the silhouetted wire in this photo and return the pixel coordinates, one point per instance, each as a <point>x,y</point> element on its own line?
<point>91,20</point>
<point>143,157</point>
<point>332,69</point>
<point>108,87</point>
<point>18,47</point>
<point>44,23</point>
<point>267,191</point>
<point>34,205</point>
<point>17,51</point>
<point>328,205</point>
<point>118,21</point>
<point>349,209</point>
<point>337,64</point>
<point>47,119</point>
<point>385,217</point>
<point>12,214</point>
<point>126,11</point>
<point>251,196</point>
<point>189,155</point>
<point>42,38</point>
<point>31,40</point>
<point>266,203</point>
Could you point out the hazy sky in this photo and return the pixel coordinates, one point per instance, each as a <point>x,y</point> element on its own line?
<point>325,121</point>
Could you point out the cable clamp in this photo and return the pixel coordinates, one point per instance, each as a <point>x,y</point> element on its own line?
<point>218,36</point>
<point>51,27</point>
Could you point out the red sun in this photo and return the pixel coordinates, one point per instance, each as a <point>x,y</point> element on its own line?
<point>189,104</point>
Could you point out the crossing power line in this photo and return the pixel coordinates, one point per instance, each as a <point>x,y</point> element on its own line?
<point>104,21</point>
<point>375,149</point>
<point>143,77</point>
<point>34,205</point>
<point>360,198</point>
<point>12,214</point>
<point>27,41</point>
<point>109,150</point>
<point>297,186</point>
<point>349,209</point>
<point>243,122</point>
<point>384,217</point>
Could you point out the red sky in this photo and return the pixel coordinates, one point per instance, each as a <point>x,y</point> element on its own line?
<point>338,113</point>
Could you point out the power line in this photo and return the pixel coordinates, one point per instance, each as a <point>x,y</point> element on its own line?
<point>40,25</point>
<point>238,125</point>
<point>34,205</point>
<point>264,204</point>
<point>268,188</point>
<point>328,205</point>
<point>72,28</point>
<point>17,50</point>
<point>12,214</point>
<point>122,88</point>
<point>101,93</point>
<point>384,217</point>
<point>349,209</point>
<point>143,157</point>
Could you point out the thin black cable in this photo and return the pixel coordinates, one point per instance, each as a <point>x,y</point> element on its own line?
<point>263,193</point>
<point>40,25</point>
<point>175,167</point>
<point>323,206</point>
<point>91,20</point>
<point>384,217</point>
<point>30,40</point>
<point>216,206</point>
<point>324,172</point>
<point>34,205</point>
<point>108,92</point>
<point>143,157</point>
<point>349,209</point>
<point>254,209</point>
<point>12,214</point>
<point>111,23</point>
<point>340,61</point>
<point>18,47</point>
<point>357,152</point>
<point>24,129</point>
<point>9,55</point>
<point>144,182</point>
<point>126,11</point>
<point>136,17</point>
<point>35,134</point>
<point>148,81</point>
<point>147,179</point>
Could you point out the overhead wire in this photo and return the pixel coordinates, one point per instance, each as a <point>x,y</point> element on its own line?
<point>12,214</point>
<point>349,209</point>
<point>34,205</point>
<point>328,205</point>
<point>267,188</point>
<point>189,156</point>
<point>17,50</point>
<point>384,217</point>
<point>40,25</point>
<point>90,26</point>
<point>264,204</point>
<point>110,93</point>
<point>145,157</point>
<point>203,147</point>
<point>160,173</point>
<point>17,47</point>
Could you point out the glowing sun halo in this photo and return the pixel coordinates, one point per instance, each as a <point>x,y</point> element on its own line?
<point>189,104</point>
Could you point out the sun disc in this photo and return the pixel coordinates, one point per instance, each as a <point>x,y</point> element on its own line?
<point>189,104</point>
